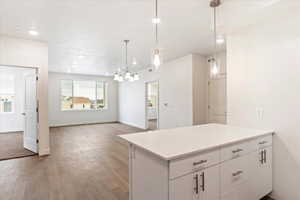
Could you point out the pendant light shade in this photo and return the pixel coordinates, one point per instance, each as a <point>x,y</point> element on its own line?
<point>136,77</point>
<point>116,76</point>
<point>127,75</point>
<point>156,58</point>
<point>214,67</point>
<point>213,61</point>
<point>156,53</point>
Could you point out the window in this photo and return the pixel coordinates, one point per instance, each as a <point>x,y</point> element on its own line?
<point>7,93</point>
<point>83,95</point>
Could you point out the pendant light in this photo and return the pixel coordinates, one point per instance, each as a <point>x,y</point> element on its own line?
<point>156,54</point>
<point>214,62</point>
<point>127,75</point>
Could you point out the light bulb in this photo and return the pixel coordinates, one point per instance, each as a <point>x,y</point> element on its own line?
<point>134,62</point>
<point>214,70</point>
<point>127,75</point>
<point>156,59</point>
<point>136,77</point>
<point>116,77</point>
<point>33,32</point>
<point>155,20</point>
<point>131,79</point>
<point>121,79</point>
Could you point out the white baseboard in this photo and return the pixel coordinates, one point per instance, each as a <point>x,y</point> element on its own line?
<point>78,124</point>
<point>131,124</point>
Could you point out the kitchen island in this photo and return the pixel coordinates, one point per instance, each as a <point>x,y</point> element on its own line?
<point>206,162</point>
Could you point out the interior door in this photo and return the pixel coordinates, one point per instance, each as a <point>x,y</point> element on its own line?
<point>30,111</point>
<point>217,100</point>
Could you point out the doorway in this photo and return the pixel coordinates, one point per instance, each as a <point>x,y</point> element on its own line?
<point>152,105</point>
<point>18,112</point>
<point>217,95</point>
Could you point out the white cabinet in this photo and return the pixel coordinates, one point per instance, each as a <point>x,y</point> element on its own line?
<point>261,179</point>
<point>235,179</point>
<point>237,171</point>
<point>200,185</point>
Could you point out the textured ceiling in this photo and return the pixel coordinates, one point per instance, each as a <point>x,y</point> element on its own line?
<point>85,36</point>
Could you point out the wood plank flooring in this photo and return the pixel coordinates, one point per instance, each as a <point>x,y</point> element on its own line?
<point>87,162</point>
<point>11,146</point>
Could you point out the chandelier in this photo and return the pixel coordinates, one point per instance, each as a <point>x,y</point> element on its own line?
<point>126,75</point>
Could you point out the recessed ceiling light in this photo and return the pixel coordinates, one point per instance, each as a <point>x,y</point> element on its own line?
<point>33,32</point>
<point>156,20</point>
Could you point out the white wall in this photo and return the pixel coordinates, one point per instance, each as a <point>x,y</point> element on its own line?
<point>132,100</point>
<point>27,53</point>
<point>13,122</point>
<point>59,118</point>
<point>175,95</point>
<point>263,77</point>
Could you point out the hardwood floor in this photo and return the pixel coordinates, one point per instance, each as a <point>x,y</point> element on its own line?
<point>87,162</point>
<point>11,146</point>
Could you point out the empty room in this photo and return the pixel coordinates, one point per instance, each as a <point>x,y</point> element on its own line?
<point>149,100</point>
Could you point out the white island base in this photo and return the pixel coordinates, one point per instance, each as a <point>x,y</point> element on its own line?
<point>207,162</point>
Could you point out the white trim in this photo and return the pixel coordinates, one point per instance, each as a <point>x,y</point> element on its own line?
<point>146,106</point>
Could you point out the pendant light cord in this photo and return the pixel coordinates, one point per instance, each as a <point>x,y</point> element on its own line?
<point>156,24</point>
<point>215,29</point>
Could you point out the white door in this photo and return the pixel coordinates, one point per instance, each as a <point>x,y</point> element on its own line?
<point>217,96</point>
<point>30,108</point>
<point>217,100</point>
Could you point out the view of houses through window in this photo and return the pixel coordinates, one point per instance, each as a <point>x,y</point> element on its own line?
<point>83,95</point>
<point>7,92</point>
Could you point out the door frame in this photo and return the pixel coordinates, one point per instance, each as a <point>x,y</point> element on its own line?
<point>36,69</point>
<point>146,105</point>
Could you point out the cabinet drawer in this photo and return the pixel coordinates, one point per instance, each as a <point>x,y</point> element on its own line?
<point>194,163</point>
<point>234,173</point>
<point>263,142</point>
<point>237,150</point>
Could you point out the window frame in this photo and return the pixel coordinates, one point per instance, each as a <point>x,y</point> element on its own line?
<point>105,84</point>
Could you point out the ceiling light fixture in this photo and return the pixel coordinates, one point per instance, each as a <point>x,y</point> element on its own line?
<point>220,40</point>
<point>134,62</point>
<point>127,75</point>
<point>156,53</point>
<point>213,61</point>
<point>155,20</point>
<point>33,32</point>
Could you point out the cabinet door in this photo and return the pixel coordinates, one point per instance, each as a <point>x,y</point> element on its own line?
<point>235,179</point>
<point>210,183</point>
<point>201,185</point>
<point>262,175</point>
<point>185,187</point>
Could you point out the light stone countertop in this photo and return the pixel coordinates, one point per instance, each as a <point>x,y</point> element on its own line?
<point>170,144</point>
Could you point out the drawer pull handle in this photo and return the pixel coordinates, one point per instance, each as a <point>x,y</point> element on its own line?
<point>237,173</point>
<point>263,142</point>
<point>200,162</point>
<point>237,150</point>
